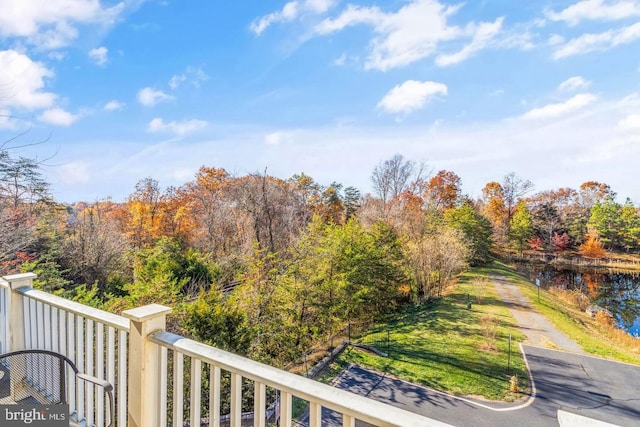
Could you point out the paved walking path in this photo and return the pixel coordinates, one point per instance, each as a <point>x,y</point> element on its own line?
<point>539,331</point>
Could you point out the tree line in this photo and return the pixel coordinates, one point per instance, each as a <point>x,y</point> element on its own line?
<point>249,262</point>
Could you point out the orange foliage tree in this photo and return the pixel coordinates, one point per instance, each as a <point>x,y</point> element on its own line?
<point>592,247</point>
<point>444,189</point>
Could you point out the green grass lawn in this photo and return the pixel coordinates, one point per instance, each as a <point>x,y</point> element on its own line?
<point>575,323</point>
<point>443,345</point>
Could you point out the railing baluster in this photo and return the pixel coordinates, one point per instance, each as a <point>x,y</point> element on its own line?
<point>214,396</point>
<point>122,379</point>
<point>80,362</point>
<point>259,404</point>
<point>89,370</point>
<point>163,385</point>
<point>236,400</point>
<point>46,328</point>
<point>99,408</point>
<point>61,332</point>
<point>53,331</point>
<point>315,414</point>
<point>110,368</point>
<point>71,354</point>
<point>41,325</point>
<point>286,406</point>
<point>348,421</point>
<point>28,315</point>
<point>178,391</point>
<point>196,396</point>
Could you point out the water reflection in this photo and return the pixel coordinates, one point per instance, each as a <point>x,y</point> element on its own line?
<point>619,292</point>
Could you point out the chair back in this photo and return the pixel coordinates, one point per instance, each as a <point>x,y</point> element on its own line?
<point>43,377</point>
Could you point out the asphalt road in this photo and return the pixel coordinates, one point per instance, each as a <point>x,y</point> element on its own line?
<point>584,385</point>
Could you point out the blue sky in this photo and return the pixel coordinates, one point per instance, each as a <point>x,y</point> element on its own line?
<point>130,89</point>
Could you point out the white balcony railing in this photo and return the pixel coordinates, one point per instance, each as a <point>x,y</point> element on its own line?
<point>160,378</point>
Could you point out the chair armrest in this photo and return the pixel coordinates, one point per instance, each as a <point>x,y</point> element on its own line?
<point>108,388</point>
<point>106,385</point>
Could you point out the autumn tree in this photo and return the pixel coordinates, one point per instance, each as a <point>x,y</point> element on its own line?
<point>560,242</point>
<point>435,259</point>
<point>394,176</point>
<point>332,203</point>
<point>443,190</point>
<point>144,213</point>
<point>493,207</point>
<point>513,188</point>
<point>214,230</point>
<point>268,210</point>
<point>592,246</point>
<point>94,249</point>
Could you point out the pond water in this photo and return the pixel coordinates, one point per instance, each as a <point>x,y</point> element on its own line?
<point>617,291</point>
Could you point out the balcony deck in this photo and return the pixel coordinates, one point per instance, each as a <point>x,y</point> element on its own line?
<point>154,372</point>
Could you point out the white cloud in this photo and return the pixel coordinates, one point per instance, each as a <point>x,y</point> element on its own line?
<point>193,75</point>
<point>114,105</point>
<point>319,6</point>
<point>574,83</point>
<point>288,13</point>
<point>58,117</point>
<point>22,82</point>
<point>412,33</point>
<point>99,55</point>
<point>555,40</point>
<point>482,36</point>
<point>340,61</point>
<point>53,23</point>
<point>149,96</point>
<point>180,128</point>
<point>6,120</point>
<point>410,96</point>
<point>630,123</point>
<point>277,138</point>
<point>57,55</point>
<point>291,11</point>
<point>176,80</point>
<point>552,111</point>
<point>600,41</point>
<point>596,10</point>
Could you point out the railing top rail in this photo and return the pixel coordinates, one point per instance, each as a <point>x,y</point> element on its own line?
<point>85,311</point>
<point>339,400</point>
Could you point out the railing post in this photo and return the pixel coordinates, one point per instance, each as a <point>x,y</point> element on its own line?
<point>15,308</point>
<point>144,370</point>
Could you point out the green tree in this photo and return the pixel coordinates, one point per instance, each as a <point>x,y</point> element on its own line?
<point>605,219</point>
<point>521,226</point>
<point>477,231</point>
<point>629,226</point>
<point>218,322</point>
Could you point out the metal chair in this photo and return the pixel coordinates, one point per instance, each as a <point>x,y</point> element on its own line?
<point>47,378</point>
